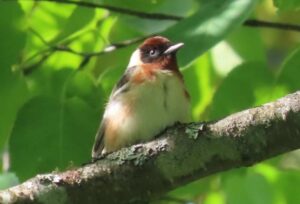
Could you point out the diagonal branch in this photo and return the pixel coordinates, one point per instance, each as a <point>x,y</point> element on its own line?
<point>45,54</point>
<point>184,153</point>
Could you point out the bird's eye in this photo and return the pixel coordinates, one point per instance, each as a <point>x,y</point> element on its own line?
<point>153,53</point>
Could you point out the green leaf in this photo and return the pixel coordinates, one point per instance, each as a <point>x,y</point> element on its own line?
<point>13,90</point>
<point>109,73</point>
<point>288,79</point>
<point>199,82</point>
<point>127,27</point>
<point>247,42</point>
<point>243,44</point>
<point>247,85</point>
<point>7,180</point>
<point>48,19</point>
<point>134,4</point>
<point>211,23</point>
<point>56,128</point>
<point>287,183</point>
<point>52,134</point>
<point>82,85</point>
<point>285,5</point>
<point>214,198</point>
<point>192,189</point>
<point>248,189</point>
<point>79,19</point>
<point>123,30</point>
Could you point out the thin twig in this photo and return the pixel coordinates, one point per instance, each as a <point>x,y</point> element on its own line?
<point>30,68</point>
<point>41,52</point>
<point>267,24</point>
<point>157,16</point>
<point>106,50</point>
<point>86,55</point>
<point>162,16</point>
<point>39,36</point>
<point>140,14</point>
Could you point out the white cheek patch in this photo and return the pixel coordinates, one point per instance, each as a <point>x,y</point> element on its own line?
<point>135,59</point>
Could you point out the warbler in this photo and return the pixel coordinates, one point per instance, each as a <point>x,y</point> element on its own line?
<point>149,97</point>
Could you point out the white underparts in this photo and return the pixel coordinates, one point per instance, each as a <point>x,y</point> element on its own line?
<point>148,108</point>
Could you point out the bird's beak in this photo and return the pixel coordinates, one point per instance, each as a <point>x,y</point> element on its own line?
<point>173,48</point>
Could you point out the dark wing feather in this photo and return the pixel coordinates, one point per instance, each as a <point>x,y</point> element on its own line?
<point>99,143</point>
<point>121,87</point>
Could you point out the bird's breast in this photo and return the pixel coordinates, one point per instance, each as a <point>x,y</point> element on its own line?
<point>147,108</point>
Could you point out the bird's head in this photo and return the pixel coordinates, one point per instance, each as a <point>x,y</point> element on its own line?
<point>157,52</point>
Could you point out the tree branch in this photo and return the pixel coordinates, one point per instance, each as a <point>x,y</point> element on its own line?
<point>45,54</point>
<point>267,24</point>
<point>182,154</point>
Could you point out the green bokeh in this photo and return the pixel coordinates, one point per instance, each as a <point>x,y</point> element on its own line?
<point>49,116</point>
<point>13,90</point>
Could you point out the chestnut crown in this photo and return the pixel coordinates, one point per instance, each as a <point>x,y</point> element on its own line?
<point>156,48</point>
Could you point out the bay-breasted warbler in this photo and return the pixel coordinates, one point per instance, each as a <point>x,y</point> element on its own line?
<point>149,97</point>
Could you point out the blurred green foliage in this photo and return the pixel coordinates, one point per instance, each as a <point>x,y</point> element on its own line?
<point>287,4</point>
<point>52,91</point>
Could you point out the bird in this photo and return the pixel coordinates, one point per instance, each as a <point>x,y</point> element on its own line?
<point>150,97</point>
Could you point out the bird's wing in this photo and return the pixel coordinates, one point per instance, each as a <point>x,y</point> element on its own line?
<point>99,143</point>
<point>123,83</point>
<point>121,86</point>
